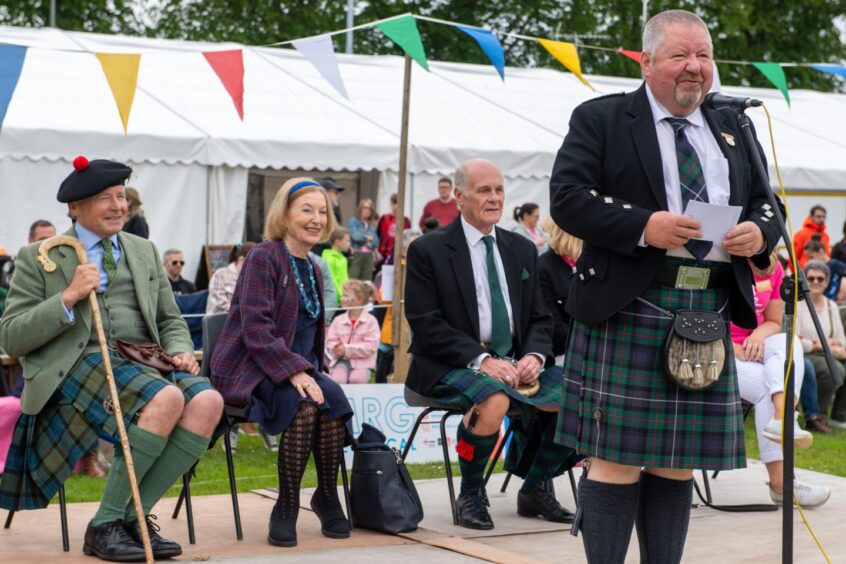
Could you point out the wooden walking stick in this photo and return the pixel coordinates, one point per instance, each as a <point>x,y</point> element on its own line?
<point>50,266</point>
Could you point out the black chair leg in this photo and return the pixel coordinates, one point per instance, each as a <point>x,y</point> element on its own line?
<point>573,486</point>
<point>63,516</point>
<point>498,452</point>
<point>707,485</point>
<point>505,483</point>
<point>189,510</point>
<point>9,518</point>
<point>448,466</point>
<point>233,489</point>
<point>414,429</point>
<point>179,501</point>
<point>345,482</point>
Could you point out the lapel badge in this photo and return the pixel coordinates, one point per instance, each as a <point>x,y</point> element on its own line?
<point>729,139</point>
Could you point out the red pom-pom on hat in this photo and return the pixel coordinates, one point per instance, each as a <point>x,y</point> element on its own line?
<point>80,163</point>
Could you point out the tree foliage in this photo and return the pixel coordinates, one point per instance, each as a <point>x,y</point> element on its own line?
<point>743,30</point>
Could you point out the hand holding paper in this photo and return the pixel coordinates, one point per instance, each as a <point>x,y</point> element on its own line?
<point>716,220</point>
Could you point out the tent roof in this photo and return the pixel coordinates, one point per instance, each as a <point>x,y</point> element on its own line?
<point>294,119</point>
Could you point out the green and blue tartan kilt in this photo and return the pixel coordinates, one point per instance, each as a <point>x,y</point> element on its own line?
<point>46,447</point>
<point>619,406</point>
<point>463,388</point>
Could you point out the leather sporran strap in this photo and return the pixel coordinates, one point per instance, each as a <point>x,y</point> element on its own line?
<point>149,354</point>
<point>695,349</point>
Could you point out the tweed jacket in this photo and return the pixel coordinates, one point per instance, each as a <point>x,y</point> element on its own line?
<point>35,324</point>
<point>262,321</point>
<point>607,181</point>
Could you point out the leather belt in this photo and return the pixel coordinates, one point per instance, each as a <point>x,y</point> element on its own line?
<point>670,275</point>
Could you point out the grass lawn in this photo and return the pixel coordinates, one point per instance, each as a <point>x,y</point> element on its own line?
<point>255,467</point>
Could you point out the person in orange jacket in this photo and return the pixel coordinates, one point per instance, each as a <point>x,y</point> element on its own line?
<point>814,223</point>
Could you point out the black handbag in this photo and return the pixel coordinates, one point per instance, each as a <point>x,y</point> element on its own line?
<point>383,496</point>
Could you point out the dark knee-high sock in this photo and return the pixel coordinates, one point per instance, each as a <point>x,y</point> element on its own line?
<point>328,450</point>
<point>663,515</point>
<point>294,448</point>
<point>548,459</point>
<point>474,452</point>
<point>607,513</point>
<point>183,450</point>
<point>146,448</point>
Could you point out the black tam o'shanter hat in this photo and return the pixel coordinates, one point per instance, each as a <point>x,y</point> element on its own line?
<point>90,178</point>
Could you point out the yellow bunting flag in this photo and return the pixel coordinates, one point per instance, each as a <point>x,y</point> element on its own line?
<point>122,74</point>
<point>566,54</point>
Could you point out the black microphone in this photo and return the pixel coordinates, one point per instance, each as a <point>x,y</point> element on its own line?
<point>717,101</point>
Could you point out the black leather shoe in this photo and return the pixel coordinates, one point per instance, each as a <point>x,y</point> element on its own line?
<point>162,548</point>
<point>473,511</point>
<point>110,541</point>
<point>333,522</point>
<point>541,502</point>
<point>282,531</point>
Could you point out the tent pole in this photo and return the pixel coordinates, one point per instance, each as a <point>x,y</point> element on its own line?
<point>400,354</point>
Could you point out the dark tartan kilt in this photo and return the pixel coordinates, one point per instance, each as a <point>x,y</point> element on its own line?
<point>463,388</point>
<point>46,447</point>
<point>619,406</point>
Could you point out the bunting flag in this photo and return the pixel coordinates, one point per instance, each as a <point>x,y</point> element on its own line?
<point>831,69</point>
<point>490,47</point>
<point>229,68</point>
<point>775,74</point>
<point>633,55</point>
<point>403,31</point>
<point>320,52</point>
<point>122,74</point>
<point>11,63</point>
<point>567,55</point>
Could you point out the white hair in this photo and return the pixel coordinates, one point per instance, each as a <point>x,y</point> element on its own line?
<point>460,178</point>
<point>653,32</point>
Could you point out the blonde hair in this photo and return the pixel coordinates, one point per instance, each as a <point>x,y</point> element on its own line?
<point>134,201</point>
<point>361,289</point>
<point>276,224</point>
<point>366,202</point>
<point>560,241</point>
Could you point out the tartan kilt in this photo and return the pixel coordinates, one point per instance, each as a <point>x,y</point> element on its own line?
<point>619,406</point>
<point>46,447</point>
<point>463,388</point>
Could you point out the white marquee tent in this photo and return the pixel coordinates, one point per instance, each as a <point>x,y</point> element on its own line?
<point>191,153</point>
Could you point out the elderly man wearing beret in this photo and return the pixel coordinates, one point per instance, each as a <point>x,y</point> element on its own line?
<point>65,403</point>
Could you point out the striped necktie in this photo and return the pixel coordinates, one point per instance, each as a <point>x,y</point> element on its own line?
<point>691,178</point>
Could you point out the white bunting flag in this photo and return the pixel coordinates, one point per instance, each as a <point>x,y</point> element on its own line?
<point>321,53</point>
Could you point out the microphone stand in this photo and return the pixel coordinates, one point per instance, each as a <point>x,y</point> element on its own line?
<point>787,291</point>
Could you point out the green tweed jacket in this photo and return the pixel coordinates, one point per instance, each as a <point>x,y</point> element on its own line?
<point>35,325</point>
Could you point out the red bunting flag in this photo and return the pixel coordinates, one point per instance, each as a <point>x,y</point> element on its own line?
<point>633,55</point>
<point>229,67</point>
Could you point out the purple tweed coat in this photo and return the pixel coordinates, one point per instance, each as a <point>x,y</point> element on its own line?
<point>254,343</point>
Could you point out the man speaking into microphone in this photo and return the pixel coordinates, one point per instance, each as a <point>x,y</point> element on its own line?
<point>628,169</point>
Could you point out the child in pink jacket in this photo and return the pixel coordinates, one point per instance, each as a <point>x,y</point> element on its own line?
<point>353,336</point>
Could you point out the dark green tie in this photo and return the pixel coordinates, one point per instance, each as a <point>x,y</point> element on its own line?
<point>109,260</point>
<point>500,327</point>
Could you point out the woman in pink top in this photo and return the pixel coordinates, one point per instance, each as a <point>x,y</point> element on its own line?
<point>353,337</point>
<point>760,356</point>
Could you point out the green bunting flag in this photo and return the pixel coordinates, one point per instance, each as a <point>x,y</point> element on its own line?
<point>775,74</point>
<point>403,31</point>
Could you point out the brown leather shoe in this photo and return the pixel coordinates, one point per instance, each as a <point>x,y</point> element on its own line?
<point>817,424</point>
<point>91,467</point>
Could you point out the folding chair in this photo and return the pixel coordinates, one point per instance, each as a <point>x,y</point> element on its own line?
<point>63,517</point>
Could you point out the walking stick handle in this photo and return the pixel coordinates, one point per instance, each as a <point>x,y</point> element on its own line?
<point>50,266</point>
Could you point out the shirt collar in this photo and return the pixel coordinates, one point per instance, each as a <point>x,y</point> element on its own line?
<point>659,112</point>
<point>90,240</point>
<point>472,234</point>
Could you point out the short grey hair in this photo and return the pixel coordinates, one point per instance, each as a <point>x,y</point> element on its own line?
<point>170,253</point>
<point>817,265</point>
<point>460,178</point>
<point>653,32</point>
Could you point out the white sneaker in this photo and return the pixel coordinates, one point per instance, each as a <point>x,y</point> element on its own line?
<point>801,437</point>
<point>233,440</point>
<point>836,423</point>
<point>809,496</point>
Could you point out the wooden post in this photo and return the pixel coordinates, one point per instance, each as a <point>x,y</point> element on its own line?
<point>400,344</point>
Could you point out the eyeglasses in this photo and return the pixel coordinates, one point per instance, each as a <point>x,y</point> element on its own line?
<point>815,279</point>
<point>177,262</point>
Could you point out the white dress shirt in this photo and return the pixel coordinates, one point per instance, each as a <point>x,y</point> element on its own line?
<point>714,167</point>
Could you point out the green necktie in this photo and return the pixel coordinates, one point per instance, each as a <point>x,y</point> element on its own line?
<point>500,327</point>
<point>109,260</point>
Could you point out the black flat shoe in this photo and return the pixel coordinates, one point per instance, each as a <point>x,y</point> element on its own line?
<point>162,547</point>
<point>282,531</point>
<point>541,502</point>
<point>110,541</point>
<point>473,511</point>
<point>333,523</point>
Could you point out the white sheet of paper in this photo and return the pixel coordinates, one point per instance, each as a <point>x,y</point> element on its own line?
<point>387,283</point>
<point>716,220</point>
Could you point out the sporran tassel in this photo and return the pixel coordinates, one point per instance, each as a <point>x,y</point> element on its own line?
<point>698,376</point>
<point>685,372</point>
<point>712,375</point>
